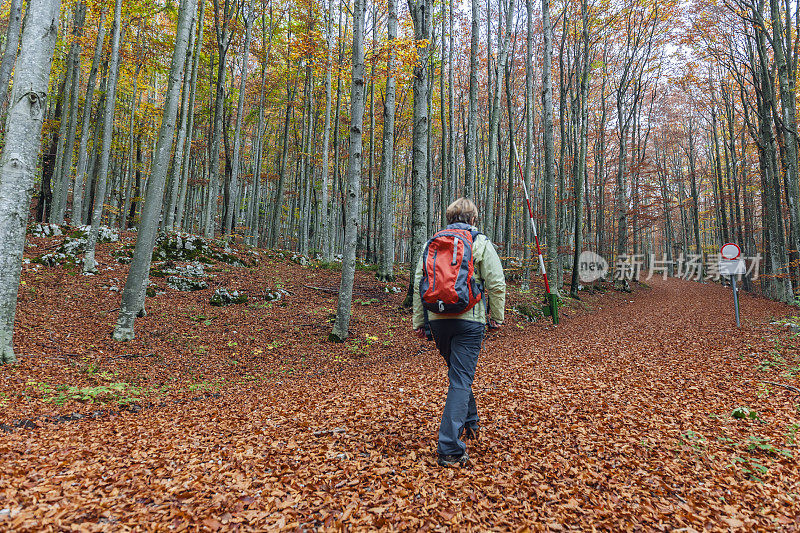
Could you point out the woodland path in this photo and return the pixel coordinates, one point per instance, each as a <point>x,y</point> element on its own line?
<point>619,419</point>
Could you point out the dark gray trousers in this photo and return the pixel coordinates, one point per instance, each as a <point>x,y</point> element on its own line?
<point>459,342</point>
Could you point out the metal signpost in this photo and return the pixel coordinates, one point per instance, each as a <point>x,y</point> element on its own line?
<point>731,264</point>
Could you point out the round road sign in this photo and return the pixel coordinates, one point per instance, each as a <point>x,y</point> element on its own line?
<point>730,251</point>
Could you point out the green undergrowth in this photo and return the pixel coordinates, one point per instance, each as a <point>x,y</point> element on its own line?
<point>117,393</point>
<point>753,457</point>
<point>783,356</point>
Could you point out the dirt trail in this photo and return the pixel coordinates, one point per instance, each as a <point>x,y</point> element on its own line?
<point>619,419</point>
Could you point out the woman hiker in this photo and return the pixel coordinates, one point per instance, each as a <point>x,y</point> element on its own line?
<point>459,283</point>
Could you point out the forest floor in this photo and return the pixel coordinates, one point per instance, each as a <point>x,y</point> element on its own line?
<point>644,410</point>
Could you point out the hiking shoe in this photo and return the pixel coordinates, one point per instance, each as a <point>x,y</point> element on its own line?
<point>453,460</point>
<point>471,433</point>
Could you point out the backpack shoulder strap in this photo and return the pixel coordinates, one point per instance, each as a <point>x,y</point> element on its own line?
<point>475,234</point>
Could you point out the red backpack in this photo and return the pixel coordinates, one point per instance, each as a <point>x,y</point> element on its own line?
<point>448,285</point>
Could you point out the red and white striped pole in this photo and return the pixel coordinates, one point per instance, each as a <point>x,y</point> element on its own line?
<point>550,296</point>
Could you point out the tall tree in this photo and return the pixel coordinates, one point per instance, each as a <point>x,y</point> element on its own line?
<point>547,125</point>
<point>20,153</point>
<point>580,167</point>
<point>133,295</point>
<point>237,134</point>
<point>352,213</point>
<point>421,14</point>
<point>224,35</point>
<point>89,263</point>
<point>529,148</point>
<point>494,121</point>
<point>472,116</point>
<point>176,184</point>
<point>386,264</point>
<point>324,210</point>
<point>184,180</point>
<point>71,123</point>
<point>80,170</point>
<point>10,53</point>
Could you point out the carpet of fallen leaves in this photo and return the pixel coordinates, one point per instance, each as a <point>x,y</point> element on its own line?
<point>247,418</point>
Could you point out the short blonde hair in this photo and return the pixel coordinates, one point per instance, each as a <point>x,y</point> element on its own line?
<point>462,210</point>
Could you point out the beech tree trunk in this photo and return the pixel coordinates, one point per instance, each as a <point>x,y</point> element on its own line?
<point>73,61</point>
<point>421,16</point>
<point>352,207</point>
<point>277,204</point>
<point>472,116</point>
<point>10,53</point>
<point>237,134</point>
<point>187,152</point>
<point>21,154</point>
<point>133,295</point>
<point>324,210</point>
<point>386,264</point>
<point>176,184</point>
<point>452,172</point>
<point>223,35</point>
<point>89,263</point>
<point>549,163</point>
<point>80,170</point>
<point>581,162</point>
<point>494,125</point>
<point>529,118</point>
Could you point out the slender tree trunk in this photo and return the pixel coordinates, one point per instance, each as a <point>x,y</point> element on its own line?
<point>718,175</point>
<point>80,170</point>
<point>600,166</point>
<point>370,257</point>
<point>529,148</point>
<point>97,148</point>
<point>49,162</point>
<point>494,124</point>
<point>20,155</point>
<point>694,192</point>
<point>179,215</point>
<point>277,205</point>
<point>59,140</point>
<point>472,117</point>
<point>10,53</point>
<point>342,324</point>
<point>324,211</point>
<point>512,162</point>
<point>89,264</point>
<point>421,16</point>
<point>335,232</point>
<point>581,163</point>
<point>547,125</point>
<point>132,167</point>
<point>303,175</point>
<point>444,190</point>
<point>223,34</point>
<point>451,109</point>
<point>386,266</point>
<point>237,134</point>
<point>71,123</point>
<point>175,182</point>
<point>255,208</point>
<point>133,295</point>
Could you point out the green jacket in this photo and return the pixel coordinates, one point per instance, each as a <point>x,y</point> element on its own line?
<point>488,271</point>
